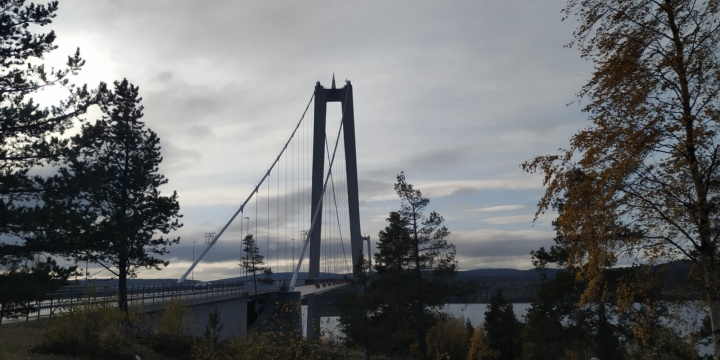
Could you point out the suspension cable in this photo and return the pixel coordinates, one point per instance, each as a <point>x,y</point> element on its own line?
<point>337,214</point>
<point>242,207</point>
<point>320,200</point>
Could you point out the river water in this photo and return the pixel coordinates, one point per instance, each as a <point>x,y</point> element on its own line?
<point>473,312</point>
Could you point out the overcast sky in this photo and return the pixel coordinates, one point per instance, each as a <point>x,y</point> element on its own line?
<point>455,93</point>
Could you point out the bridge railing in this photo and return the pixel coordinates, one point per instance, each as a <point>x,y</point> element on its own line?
<point>69,297</point>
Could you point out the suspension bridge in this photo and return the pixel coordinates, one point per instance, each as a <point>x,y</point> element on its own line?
<point>305,218</point>
<point>303,213</point>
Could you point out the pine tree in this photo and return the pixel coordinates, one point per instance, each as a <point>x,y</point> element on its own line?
<point>252,261</point>
<point>502,328</point>
<point>106,200</point>
<point>30,137</point>
<point>413,264</point>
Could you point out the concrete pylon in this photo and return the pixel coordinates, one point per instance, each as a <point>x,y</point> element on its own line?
<point>343,95</point>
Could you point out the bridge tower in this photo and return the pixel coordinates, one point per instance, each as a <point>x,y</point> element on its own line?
<point>345,97</point>
<point>323,96</point>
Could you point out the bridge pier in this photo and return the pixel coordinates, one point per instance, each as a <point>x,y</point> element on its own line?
<point>281,312</point>
<point>313,317</point>
<point>232,308</point>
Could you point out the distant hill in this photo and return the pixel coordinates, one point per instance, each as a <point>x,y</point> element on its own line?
<point>529,275</point>
<point>516,285</point>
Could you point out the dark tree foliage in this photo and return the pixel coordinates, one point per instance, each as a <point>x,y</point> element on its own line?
<point>554,325</point>
<point>575,328</point>
<point>106,200</point>
<point>413,265</point>
<point>502,328</point>
<point>30,136</point>
<point>23,284</point>
<point>29,132</point>
<point>543,335</point>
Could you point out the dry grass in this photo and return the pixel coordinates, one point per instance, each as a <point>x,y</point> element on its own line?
<point>18,339</point>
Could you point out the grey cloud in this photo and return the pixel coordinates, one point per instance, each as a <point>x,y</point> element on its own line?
<point>163,77</point>
<point>501,247</point>
<point>448,92</point>
<point>439,159</point>
<point>370,188</point>
<point>176,158</point>
<point>189,104</point>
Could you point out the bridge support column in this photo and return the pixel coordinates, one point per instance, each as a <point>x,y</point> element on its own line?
<point>232,309</point>
<point>280,313</point>
<point>313,317</point>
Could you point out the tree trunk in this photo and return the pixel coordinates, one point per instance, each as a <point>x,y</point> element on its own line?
<point>714,312</point>
<point>707,247</point>
<point>419,295</point>
<point>122,284</point>
<point>713,308</point>
<point>603,341</point>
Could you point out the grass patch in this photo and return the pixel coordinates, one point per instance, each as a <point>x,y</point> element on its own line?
<point>19,338</point>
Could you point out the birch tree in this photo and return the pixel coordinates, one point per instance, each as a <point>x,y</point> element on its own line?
<point>640,184</point>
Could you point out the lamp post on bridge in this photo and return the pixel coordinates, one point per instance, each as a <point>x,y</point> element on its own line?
<point>192,277</point>
<point>247,232</point>
<point>303,237</point>
<point>208,239</point>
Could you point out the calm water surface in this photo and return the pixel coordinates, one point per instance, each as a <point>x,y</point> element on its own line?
<point>473,312</point>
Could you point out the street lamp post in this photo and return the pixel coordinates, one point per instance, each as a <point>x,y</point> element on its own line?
<point>192,277</point>
<point>247,231</point>
<point>209,237</point>
<point>304,235</point>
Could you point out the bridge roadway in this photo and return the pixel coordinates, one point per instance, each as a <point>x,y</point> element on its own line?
<point>200,298</point>
<point>273,308</point>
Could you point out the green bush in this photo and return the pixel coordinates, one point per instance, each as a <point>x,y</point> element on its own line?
<point>88,329</point>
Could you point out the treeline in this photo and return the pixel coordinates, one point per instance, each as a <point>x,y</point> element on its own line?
<point>640,312</point>
<point>524,288</point>
<point>557,324</point>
